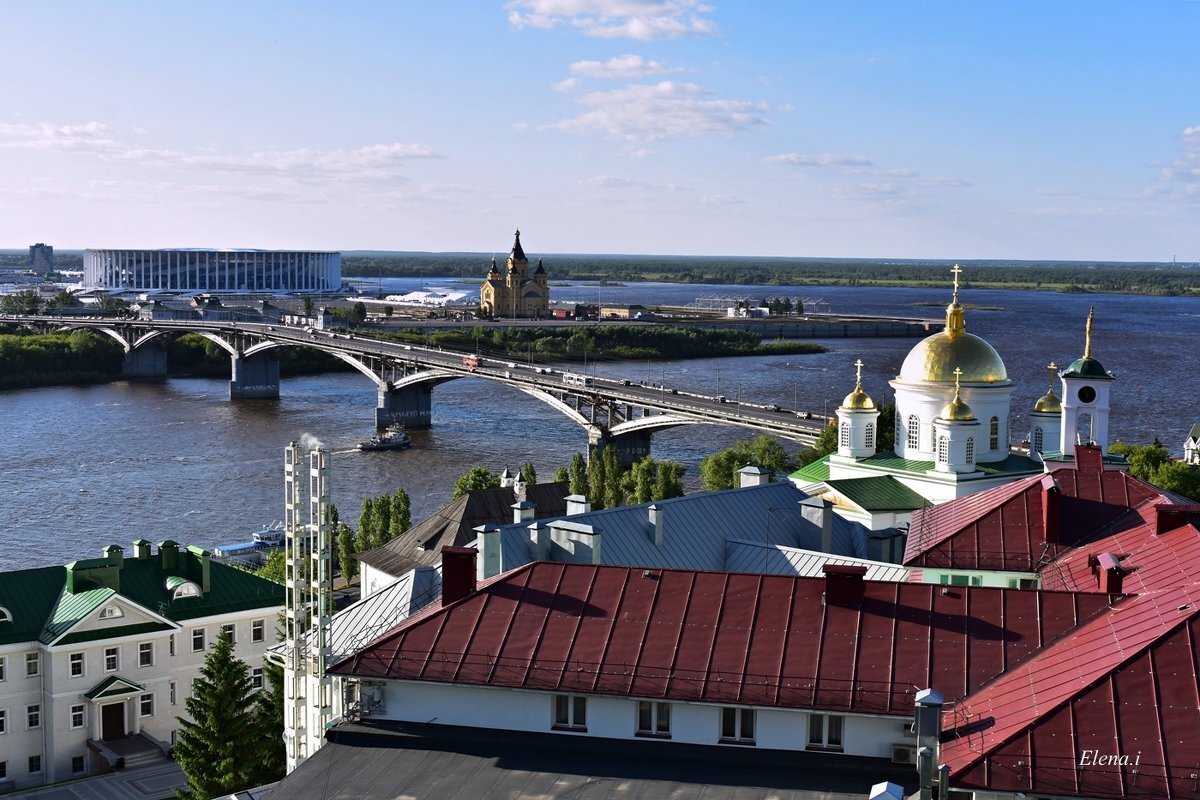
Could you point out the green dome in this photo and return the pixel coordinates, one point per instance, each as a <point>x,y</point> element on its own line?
<point>1087,367</point>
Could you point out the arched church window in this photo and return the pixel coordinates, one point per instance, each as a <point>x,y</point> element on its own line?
<point>869,436</point>
<point>914,432</point>
<point>994,434</point>
<point>844,436</point>
<point>943,450</point>
<point>971,450</point>
<point>1038,438</point>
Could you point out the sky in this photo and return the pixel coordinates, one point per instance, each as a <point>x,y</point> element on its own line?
<point>1064,130</point>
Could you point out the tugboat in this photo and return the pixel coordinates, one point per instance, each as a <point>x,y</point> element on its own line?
<point>394,438</point>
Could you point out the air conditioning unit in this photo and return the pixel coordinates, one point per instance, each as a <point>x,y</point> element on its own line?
<point>904,754</point>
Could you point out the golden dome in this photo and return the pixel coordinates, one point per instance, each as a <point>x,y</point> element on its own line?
<point>858,400</point>
<point>1048,404</point>
<point>956,410</point>
<point>935,358</point>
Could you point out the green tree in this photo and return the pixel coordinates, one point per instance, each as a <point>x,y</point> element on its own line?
<point>366,539</point>
<point>388,311</point>
<point>275,567</point>
<point>1178,477</point>
<point>358,312</point>
<point>308,306</point>
<point>63,299</point>
<point>719,470</point>
<point>577,474</point>
<point>668,482</point>
<point>472,479</point>
<point>596,479</point>
<point>271,762</point>
<point>216,747</point>
<point>642,479</point>
<point>613,472</point>
<point>401,517</point>
<point>561,476</point>
<point>24,302</point>
<point>383,519</point>
<point>346,548</point>
<point>528,473</point>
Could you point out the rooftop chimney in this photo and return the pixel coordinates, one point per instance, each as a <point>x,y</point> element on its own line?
<point>577,504</point>
<point>523,511</point>
<point>1051,509</point>
<point>844,585</point>
<point>489,561</point>
<point>458,573</point>
<point>1109,573</point>
<point>539,534</point>
<point>115,554</point>
<point>656,522</point>
<point>1089,458</point>
<point>751,475</point>
<point>198,567</point>
<point>820,513</point>
<point>141,549</point>
<point>168,551</point>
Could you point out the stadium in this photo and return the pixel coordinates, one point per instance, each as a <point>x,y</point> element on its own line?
<point>198,270</point>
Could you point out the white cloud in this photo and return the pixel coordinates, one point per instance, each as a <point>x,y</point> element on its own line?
<point>639,152</point>
<point>824,160</point>
<point>611,182</point>
<point>627,66</point>
<point>369,162</point>
<point>944,182</point>
<point>565,85</point>
<point>642,20</point>
<point>666,110</point>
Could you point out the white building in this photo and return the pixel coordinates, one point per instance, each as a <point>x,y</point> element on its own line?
<point>198,270</point>
<point>104,649</point>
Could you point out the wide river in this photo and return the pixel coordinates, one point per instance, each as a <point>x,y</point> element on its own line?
<point>90,466</point>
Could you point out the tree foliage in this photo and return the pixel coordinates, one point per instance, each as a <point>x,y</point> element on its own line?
<point>1153,464</point>
<point>577,474</point>
<point>271,763</point>
<point>528,473</point>
<point>216,748</point>
<point>474,478</point>
<point>720,470</point>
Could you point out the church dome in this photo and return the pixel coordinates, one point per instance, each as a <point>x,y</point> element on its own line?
<point>858,400</point>
<point>934,358</point>
<point>957,411</point>
<point>1048,404</point>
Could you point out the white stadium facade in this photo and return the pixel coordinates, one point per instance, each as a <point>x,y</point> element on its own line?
<point>198,270</point>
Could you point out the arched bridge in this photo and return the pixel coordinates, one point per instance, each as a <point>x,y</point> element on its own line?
<point>614,412</point>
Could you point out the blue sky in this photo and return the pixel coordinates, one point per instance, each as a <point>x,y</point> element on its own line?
<point>1031,130</point>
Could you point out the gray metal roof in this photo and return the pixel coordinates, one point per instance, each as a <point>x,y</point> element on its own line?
<point>382,761</point>
<point>695,529</point>
<point>744,556</point>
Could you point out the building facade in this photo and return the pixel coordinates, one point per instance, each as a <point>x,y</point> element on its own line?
<point>515,293</point>
<point>103,649</point>
<point>195,270</point>
<point>41,257</point>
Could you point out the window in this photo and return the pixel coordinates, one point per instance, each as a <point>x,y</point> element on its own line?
<point>33,665</point>
<point>35,764</point>
<point>943,450</point>
<point>900,433</point>
<point>3,770</point>
<point>570,711</point>
<point>171,645</point>
<point>962,580</point>
<point>172,692</point>
<point>737,725</point>
<point>112,659</point>
<point>3,668</point>
<point>3,720</point>
<point>76,665</point>
<point>869,436</point>
<point>258,631</point>
<point>111,612</point>
<point>230,630</point>
<point>971,450</point>
<point>914,433</point>
<point>33,716</point>
<point>146,654</point>
<point>654,719</point>
<point>825,730</point>
<point>844,436</point>
<point>77,718</point>
<point>77,765</point>
<point>256,677</point>
<point>1038,439</point>
<point>5,614</point>
<point>994,434</point>
<point>147,705</point>
<point>197,639</point>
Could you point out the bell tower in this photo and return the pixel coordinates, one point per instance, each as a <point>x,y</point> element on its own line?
<point>1085,403</point>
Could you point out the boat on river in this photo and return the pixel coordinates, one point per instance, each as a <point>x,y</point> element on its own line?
<point>394,438</point>
<point>254,552</point>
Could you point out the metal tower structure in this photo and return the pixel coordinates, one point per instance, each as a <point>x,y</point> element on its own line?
<point>307,689</point>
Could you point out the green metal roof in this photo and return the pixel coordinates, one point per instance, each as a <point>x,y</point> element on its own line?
<point>1012,465</point>
<point>814,472</point>
<point>113,686</point>
<point>882,493</point>
<point>1086,368</point>
<point>71,609</point>
<point>30,595</point>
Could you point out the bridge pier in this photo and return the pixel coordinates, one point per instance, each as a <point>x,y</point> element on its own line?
<point>631,447</point>
<point>410,405</point>
<point>147,361</point>
<point>255,377</point>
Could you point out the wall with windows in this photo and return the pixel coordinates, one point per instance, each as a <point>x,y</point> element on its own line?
<point>629,718</point>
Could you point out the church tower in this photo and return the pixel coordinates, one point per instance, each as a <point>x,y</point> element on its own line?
<point>956,432</point>
<point>858,422</point>
<point>1045,421</point>
<point>1085,388</point>
<point>514,293</point>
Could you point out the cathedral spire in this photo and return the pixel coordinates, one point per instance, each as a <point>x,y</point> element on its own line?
<point>517,254</point>
<point>956,324</point>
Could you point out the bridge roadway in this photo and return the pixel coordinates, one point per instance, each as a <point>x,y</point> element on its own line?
<point>614,412</point>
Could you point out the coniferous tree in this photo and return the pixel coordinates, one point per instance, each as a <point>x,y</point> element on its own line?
<point>528,473</point>
<point>577,474</point>
<point>215,748</point>
<point>346,548</point>
<point>561,476</point>
<point>271,763</point>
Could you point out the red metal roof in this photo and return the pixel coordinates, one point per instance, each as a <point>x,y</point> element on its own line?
<point>1004,528</point>
<point>1122,684</point>
<point>723,638</point>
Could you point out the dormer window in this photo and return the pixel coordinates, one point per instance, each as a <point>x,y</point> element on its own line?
<point>5,615</point>
<point>182,587</point>
<point>111,612</point>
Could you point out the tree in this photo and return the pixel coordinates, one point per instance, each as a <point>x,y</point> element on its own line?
<point>577,474</point>
<point>613,471</point>
<point>358,312</point>
<point>216,747</point>
<point>472,479</point>
<point>271,762</point>
<point>63,299</point>
<point>401,517</point>
<point>719,470</point>
<point>346,548</point>
<point>388,311</point>
<point>308,306</point>
<point>642,476</point>
<point>366,539</point>
<point>561,476</point>
<point>25,302</point>
<point>596,479</point>
<point>275,568</point>
<point>528,473</point>
<point>669,481</point>
<point>1152,463</point>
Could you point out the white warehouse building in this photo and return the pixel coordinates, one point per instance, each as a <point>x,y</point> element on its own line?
<point>199,270</point>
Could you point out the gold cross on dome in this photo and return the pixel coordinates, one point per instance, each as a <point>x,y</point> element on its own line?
<point>956,270</point>
<point>859,365</point>
<point>957,378</point>
<point>1053,370</point>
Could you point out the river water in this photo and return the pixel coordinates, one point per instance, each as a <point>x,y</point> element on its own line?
<point>88,466</point>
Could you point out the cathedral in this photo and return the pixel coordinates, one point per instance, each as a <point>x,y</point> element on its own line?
<point>515,293</point>
<point>953,402</point>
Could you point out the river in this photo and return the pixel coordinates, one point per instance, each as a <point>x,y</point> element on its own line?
<point>90,466</point>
